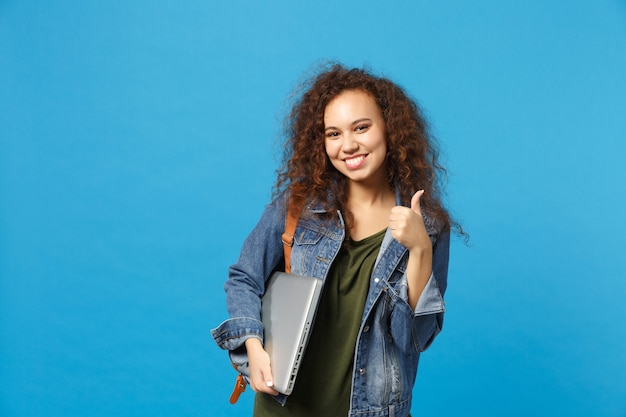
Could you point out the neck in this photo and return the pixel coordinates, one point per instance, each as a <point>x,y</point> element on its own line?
<point>369,195</point>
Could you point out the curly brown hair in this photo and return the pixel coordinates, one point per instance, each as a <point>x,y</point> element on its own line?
<point>412,153</point>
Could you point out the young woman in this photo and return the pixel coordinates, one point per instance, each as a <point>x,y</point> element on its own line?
<point>361,163</point>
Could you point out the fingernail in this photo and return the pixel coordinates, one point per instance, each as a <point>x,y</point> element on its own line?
<point>270,383</point>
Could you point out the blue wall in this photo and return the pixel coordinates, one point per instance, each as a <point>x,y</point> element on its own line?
<point>138,147</point>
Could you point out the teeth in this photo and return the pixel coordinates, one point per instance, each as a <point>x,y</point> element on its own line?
<point>354,161</point>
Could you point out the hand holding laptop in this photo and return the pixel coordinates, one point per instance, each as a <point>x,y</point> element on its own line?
<point>260,367</point>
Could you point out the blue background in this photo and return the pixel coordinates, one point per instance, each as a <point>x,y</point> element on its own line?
<point>138,148</point>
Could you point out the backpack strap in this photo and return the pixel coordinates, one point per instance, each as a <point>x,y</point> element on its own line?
<point>290,229</point>
<point>240,386</point>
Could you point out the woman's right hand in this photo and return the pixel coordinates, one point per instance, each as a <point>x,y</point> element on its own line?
<point>260,367</point>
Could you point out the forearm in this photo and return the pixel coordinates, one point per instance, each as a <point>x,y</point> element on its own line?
<point>418,270</point>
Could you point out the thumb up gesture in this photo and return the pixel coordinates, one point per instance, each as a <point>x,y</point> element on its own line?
<point>407,225</point>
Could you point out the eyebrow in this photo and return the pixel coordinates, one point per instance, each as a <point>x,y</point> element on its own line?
<point>356,122</point>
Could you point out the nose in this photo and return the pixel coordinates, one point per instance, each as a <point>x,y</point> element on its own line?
<point>349,144</point>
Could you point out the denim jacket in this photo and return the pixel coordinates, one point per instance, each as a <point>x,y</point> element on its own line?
<point>391,334</point>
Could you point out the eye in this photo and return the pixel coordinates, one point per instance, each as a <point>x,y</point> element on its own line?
<point>362,127</point>
<point>332,134</point>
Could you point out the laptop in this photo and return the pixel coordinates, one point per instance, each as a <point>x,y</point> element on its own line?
<point>287,312</point>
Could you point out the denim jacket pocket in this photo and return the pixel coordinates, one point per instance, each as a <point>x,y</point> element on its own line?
<point>313,251</point>
<point>306,236</point>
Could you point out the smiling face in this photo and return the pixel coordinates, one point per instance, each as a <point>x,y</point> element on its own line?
<point>354,132</point>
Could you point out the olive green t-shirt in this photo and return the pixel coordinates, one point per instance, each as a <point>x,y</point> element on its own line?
<point>324,379</point>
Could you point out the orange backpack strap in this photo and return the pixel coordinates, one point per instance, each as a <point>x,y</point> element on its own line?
<point>290,229</point>
<point>240,386</point>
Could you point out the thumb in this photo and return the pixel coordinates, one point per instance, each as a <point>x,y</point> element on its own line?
<point>266,374</point>
<point>269,383</point>
<point>415,201</point>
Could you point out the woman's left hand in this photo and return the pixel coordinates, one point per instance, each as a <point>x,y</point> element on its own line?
<point>407,225</point>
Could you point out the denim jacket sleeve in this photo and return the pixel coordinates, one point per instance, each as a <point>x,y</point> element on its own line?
<point>426,320</point>
<point>261,253</point>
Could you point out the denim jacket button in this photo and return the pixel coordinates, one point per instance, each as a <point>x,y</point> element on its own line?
<point>366,329</point>
<point>361,371</point>
<point>376,280</point>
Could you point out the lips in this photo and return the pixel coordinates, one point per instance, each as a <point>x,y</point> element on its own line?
<point>354,162</point>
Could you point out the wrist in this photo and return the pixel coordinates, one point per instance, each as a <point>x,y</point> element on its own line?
<point>252,344</point>
<point>421,251</point>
